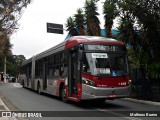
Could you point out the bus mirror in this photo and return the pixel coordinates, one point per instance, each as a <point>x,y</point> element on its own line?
<point>80,47</point>
<point>80,55</point>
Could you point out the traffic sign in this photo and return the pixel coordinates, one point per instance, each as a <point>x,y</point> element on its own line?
<point>54,28</point>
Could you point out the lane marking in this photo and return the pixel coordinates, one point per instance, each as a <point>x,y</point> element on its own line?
<point>118,114</point>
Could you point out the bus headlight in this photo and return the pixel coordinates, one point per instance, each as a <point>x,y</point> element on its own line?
<point>88,82</point>
<point>129,82</point>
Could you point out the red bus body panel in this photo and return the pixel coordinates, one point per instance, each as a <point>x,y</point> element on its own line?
<point>108,81</point>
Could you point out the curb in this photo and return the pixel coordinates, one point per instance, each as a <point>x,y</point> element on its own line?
<point>6,109</point>
<point>2,104</point>
<point>142,101</point>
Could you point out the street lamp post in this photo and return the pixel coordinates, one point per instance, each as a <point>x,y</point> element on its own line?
<point>5,69</point>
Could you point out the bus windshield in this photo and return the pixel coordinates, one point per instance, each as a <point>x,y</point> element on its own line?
<point>105,64</point>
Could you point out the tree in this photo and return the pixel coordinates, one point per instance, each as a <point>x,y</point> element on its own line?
<point>3,41</point>
<point>10,13</point>
<point>71,27</point>
<point>13,64</point>
<point>5,46</point>
<point>16,61</point>
<point>144,38</point>
<point>128,34</point>
<point>110,13</point>
<point>147,15</point>
<point>92,21</point>
<point>79,21</point>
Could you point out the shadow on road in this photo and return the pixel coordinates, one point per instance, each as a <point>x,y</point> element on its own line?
<point>89,104</point>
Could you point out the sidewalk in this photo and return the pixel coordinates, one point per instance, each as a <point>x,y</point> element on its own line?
<point>4,108</point>
<point>142,101</point>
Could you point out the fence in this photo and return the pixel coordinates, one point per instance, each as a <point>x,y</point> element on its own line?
<point>144,88</point>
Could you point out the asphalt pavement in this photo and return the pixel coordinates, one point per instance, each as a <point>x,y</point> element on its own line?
<point>6,105</point>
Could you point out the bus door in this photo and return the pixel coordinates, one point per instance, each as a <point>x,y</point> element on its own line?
<point>44,73</point>
<point>73,73</point>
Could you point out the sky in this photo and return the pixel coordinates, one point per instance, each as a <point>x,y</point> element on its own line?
<point>32,38</point>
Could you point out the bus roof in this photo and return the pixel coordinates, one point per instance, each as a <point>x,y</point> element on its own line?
<point>73,41</point>
<point>90,39</point>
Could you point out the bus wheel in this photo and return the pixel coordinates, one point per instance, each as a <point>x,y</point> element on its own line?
<point>39,89</point>
<point>63,93</point>
<point>100,101</point>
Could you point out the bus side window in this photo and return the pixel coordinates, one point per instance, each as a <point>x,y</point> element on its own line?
<point>51,71</point>
<point>51,68</point>
<point>63,70</point>
<point>56,72</point>
<point>57,64</point>
<point>63,65</point>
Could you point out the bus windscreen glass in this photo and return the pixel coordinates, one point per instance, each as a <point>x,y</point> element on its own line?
<point>105,64</point>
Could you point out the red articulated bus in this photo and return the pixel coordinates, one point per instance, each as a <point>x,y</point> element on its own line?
<point>80,68</point>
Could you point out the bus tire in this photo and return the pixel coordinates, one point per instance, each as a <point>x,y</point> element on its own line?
<point>100,101</point>
<point>39,89</point>
<point>63,93</point>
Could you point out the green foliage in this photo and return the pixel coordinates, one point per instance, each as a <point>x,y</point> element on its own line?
<point>139,28</point>
<point>110,13</point>
<point>128,34</point>
<point>79,21</point>
<point>138,60</point>
<point>145,15</point>
<point>87,21</point>
<point>92,21</point>
<point>13,64</point>
<point>5,45</point>
<point>10,12</point>
<point>154,70</point>
<point>71,26</point>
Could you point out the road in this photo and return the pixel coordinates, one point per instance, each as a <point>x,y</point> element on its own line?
<point>27,100</point>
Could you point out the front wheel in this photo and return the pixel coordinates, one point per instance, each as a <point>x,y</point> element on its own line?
<point>63,93</point>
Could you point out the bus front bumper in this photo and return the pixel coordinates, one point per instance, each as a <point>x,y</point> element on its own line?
<point>90,92</point>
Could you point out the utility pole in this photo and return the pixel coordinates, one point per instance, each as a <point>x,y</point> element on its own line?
<point>5,69</point>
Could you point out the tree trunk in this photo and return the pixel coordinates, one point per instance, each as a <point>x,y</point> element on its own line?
<point>108,31</point>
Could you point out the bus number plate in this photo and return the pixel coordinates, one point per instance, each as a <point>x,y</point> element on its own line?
<point>112,95</point>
